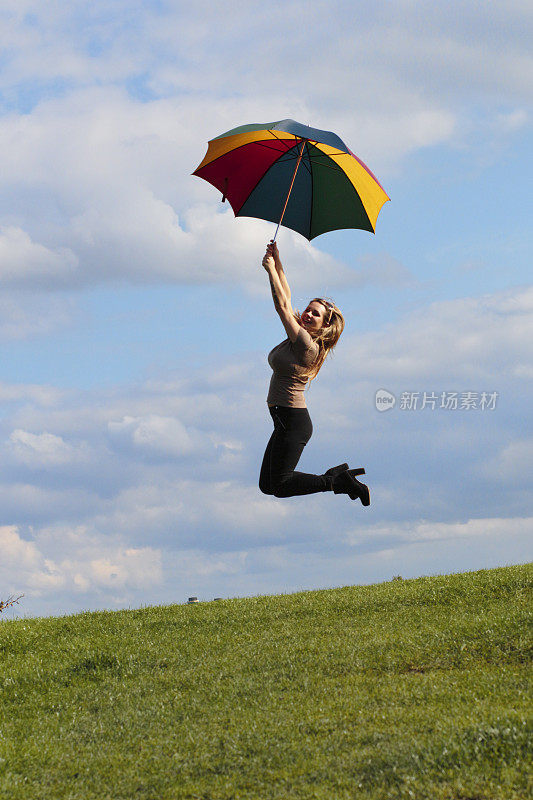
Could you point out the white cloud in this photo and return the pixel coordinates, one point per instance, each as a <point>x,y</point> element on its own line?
<point>187,513</point>
<point>69,560</point>
<point>25,261</point>
<point>470,339</point>
<point>160,435</point>
<point>422,531</point>
<point>45,449</point>
<point>138,567</point>
<point>16,552</point>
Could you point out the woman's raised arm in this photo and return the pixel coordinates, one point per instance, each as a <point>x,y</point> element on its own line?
<point>272,248</point>
<point>281,293</point>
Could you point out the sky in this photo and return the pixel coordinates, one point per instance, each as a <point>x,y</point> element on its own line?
<point>135,316</point>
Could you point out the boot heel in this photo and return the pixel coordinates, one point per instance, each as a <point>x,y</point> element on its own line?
<point>358,471</point>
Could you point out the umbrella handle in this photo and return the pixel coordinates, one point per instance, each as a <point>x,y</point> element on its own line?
<point>300,154</point>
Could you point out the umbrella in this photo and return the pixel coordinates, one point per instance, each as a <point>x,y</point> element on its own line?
<point>287,172</point>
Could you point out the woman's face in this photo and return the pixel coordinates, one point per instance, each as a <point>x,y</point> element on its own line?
<point>313,317</point>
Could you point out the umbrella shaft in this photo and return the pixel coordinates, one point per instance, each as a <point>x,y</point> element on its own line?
<point>290,188</point>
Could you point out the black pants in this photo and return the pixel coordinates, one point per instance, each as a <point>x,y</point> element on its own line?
<point>292,430</point>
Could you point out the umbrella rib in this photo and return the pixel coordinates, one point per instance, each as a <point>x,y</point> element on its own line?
<point>328,166</point>
<point>328,155</point>
<point>288,143</point>
<point>304,162</point>
<point>275,149</point>
<point>283,140</point>
<point>312,198</point>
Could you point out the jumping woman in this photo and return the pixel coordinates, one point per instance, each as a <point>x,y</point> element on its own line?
<point>294,362</point>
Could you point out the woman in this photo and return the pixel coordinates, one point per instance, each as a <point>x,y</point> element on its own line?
<point>296,360</point>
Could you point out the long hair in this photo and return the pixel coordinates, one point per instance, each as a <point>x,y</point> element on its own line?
<point>327,337</point>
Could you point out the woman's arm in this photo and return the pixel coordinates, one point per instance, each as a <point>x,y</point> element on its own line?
<point>272,249</point>
<point>280,295</point>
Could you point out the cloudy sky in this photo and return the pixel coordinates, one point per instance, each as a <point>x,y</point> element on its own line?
<point>135,319</point>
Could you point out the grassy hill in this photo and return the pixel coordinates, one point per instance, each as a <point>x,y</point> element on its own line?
<point>408,689</point>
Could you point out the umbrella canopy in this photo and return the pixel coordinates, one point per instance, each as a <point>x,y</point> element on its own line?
<point>287,171</point>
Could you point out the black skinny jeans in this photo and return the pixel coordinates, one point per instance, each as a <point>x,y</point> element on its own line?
<point>292,431</point>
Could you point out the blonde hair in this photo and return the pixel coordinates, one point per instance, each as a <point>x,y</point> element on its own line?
<point>328,335</point>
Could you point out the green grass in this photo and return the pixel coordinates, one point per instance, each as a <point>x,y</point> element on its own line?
<point>408,689</point>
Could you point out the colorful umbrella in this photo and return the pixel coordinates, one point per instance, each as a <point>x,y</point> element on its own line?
<point>291,173</point>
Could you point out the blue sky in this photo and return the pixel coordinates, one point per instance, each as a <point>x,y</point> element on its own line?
<point>135,319</point>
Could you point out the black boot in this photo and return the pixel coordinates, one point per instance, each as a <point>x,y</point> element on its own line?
<point>346,483</point>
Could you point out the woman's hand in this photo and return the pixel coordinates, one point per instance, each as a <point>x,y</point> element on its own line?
<point>271,257</point>
<point>268,259</point>
<point>272,250</point>
<point>268,263</point>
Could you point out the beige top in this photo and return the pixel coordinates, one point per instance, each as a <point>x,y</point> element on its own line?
<point>288,361</point>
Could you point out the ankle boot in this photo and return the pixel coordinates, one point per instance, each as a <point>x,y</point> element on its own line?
<point>346,483</point>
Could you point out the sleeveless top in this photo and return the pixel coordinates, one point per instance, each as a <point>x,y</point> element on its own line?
<point>288,361</point>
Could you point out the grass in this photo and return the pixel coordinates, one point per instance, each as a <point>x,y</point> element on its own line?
<point>408,689</point>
